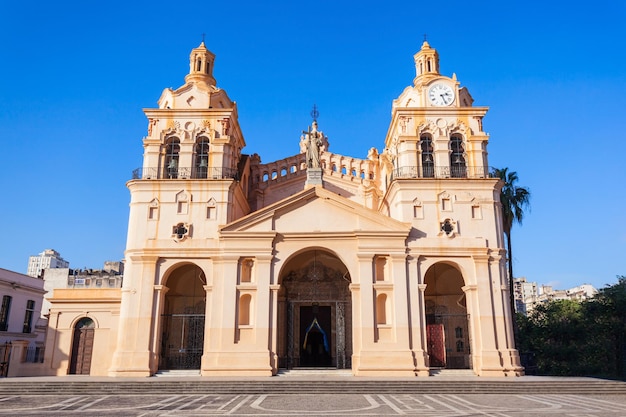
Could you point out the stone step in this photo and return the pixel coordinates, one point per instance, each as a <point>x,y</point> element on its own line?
<point>452,372</point>
<point>178,373</point>
<point>308,372</point>
<point>323,385</point>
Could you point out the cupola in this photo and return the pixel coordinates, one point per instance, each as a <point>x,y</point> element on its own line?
<point>201,66</point>
<point>426,62</point>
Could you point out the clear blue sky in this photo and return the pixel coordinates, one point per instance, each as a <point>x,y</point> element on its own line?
<point>75,76</point>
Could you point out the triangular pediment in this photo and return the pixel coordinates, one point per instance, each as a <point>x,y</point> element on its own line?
<point>316,210</point>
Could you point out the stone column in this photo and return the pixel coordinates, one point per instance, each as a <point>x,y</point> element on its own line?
<point>489,318</point>
<point>273,333</point>
<point>157,323</point>
<point>132,354</point>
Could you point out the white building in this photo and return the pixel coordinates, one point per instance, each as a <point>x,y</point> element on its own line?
<point>49,258</point>
<point>525,293</point>
<point>529,294</point>
<point>21,328</point>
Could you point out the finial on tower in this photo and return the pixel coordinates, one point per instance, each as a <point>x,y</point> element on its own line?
<point>315,113</point>
<point>205,34</point>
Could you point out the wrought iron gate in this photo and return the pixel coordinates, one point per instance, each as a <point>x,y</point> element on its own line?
<point>182,341</point>
<point>448,339</point>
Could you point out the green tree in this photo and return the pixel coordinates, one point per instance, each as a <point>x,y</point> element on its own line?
<point>514,200</point>
<point>606,314</point>
<point>569,337</point>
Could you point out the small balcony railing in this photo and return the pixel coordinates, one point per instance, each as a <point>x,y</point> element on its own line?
<point>183,173</point>
<point>441,172</point>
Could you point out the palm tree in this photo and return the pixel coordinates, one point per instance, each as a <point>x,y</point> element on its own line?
<point>514,200</point>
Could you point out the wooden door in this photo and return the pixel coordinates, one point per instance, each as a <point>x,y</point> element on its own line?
<point>436,345</point>
<point>82,348</point>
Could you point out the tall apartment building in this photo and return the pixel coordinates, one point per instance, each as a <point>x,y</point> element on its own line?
<point>524,292</point>
<point>49,258</point>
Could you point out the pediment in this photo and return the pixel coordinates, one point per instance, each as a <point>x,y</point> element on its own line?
<point>316,210</point>
<point>189,96</point>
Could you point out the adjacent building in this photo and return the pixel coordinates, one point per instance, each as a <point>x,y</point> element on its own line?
<point>49,258</point>
<point>110,276</point>
<point>22,330</point>
<point>391,265</point>
<point>528,294</point>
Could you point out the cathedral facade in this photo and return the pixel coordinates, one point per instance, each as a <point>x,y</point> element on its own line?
<point>391,265</point>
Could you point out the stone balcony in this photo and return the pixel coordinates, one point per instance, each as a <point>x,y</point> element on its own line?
<point>441,172</point>
<point>185,173</point>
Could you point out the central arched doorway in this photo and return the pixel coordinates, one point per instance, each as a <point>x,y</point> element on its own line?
<point>315,312</point>
<point>447,320</point>
<point>182,337</point>
<point>82,347</point>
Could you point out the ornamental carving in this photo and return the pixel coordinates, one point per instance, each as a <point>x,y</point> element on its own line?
<point>427,126</point>
<point>458,126</point>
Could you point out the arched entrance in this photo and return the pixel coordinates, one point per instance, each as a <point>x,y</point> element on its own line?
<point>182,337</point>
<point>314,312</point>
<point>447,321</point>
<point>82,346</point>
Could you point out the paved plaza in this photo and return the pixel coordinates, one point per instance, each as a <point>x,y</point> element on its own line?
<point>431,405</point>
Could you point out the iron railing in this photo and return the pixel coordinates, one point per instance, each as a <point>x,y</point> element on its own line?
<point>186,173</point>
<point>441,172</point>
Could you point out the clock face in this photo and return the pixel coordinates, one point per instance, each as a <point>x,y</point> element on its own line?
<point>441,94</point>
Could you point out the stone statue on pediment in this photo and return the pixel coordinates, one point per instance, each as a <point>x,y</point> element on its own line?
<point>312,143</point>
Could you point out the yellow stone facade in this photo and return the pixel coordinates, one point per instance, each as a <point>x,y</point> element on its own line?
<point>391,265</point>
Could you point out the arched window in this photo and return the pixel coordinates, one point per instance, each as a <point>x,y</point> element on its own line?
<point>381,309</point>
<point>428,161</point>
<point>458,169</point>
<point>171,157</point>
<point>201,159</point>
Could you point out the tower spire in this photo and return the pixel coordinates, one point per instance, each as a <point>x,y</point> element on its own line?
<point>426,61</point>
<point>201,65</point>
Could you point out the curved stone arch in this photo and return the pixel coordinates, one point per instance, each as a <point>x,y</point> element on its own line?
<point>172,132</point>
<point>180,321</point>
<point>281,265</point>
<point>462,265</point>
<point>81,316</point>
<point>447,316</point>
<point>314,292</point>
<point>204,132</point>
<point>170,268</point>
